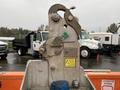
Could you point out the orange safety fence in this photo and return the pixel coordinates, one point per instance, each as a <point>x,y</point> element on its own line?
<point>10,80</point>
<point>100,80</point>
<point>104,80</point>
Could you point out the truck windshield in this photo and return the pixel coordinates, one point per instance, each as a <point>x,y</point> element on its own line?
<point>84,35</point>
<point>45,35</point>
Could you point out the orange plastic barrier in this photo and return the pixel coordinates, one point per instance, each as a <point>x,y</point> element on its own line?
<point>10,80</point>
<point>100,80</point>
<point>104,80</point>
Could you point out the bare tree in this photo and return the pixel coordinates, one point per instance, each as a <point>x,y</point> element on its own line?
<point>113,28</point>
<point>41,28</point>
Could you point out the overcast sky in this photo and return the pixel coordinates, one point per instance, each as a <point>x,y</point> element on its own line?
<point>30,14</point>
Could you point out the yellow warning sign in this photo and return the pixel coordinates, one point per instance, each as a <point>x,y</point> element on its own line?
<point>70,62</point>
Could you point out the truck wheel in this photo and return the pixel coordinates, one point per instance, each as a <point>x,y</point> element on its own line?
<point>20,52</point>
<point>84,52</point>
<point>4,56</point>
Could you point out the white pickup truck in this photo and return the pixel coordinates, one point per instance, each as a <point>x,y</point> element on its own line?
<point>88,45</point>
<point>3,49</point>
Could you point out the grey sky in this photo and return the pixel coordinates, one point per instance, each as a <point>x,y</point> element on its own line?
<point>30,14</point>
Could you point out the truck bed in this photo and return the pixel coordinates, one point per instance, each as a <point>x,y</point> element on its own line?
<point>25,42</point>
<point>20,43</point>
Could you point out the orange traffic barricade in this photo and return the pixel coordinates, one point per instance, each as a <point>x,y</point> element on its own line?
<point>10,80</point>
<point>104,80</point>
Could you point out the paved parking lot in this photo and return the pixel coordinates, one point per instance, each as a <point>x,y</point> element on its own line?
<point>14,62</point>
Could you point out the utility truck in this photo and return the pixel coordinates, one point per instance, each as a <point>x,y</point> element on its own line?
<point>3,49</point>
<point>88,45</point>
<point>30,43</point>
<point>110,41</point>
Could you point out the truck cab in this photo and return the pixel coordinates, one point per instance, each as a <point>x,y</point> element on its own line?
<point>88,45</point>
<point>3,49</point>
<point>39,39</point>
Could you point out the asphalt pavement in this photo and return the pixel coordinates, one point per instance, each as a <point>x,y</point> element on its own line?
<point>14,62</point>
